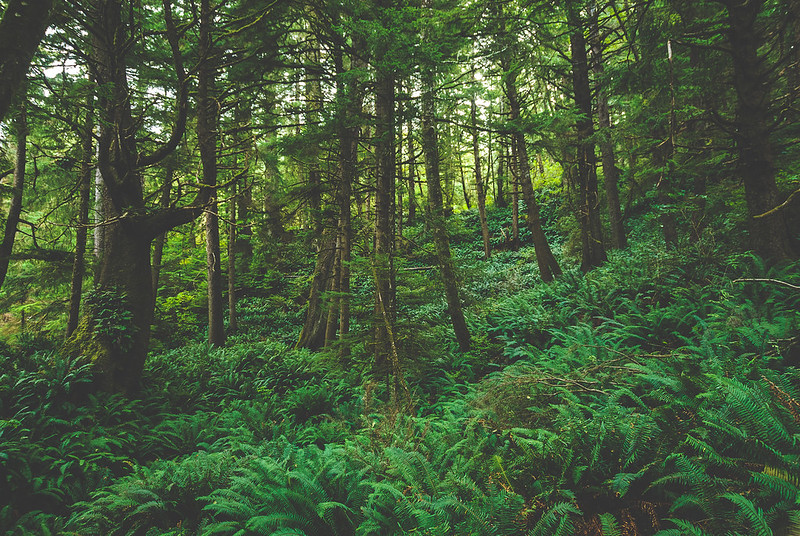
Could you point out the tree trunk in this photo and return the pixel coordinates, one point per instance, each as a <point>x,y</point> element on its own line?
<point>158,243</point>
<point>548,267</point>
<point>592,249</point>
<point>332,316</point>
<point>15,209</point>
<point>314,98</point>
<point>464,188</point>
<point>233,319</point>
<point>382,259</point>
<point>207,120</point>
<point>769,234</point>
<point>502,173</point>
<point>479,186</point>
<point>430,149</point>
<point>21,29</point>
<point>101,201</point>
<point>412,178</point>
<point>243,246</point>
<point>115,332</point>
<point>610,171</point>
<point>79,264</point>
<point>349,100</point>
<point>312,335</point>
<point>514,175</point>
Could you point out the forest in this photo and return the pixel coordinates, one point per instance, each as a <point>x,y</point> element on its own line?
<point>364,267</point>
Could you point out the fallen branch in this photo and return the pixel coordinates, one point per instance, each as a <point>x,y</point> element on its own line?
<point>763,280</point>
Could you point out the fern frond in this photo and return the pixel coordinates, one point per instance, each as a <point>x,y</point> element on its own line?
<point>684,528</point>
<point>753,514</point>
<point>780,482</point>
<point>556,520</point>
<point>609,525</point>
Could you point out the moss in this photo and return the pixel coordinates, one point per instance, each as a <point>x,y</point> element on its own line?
<point>84,344</point>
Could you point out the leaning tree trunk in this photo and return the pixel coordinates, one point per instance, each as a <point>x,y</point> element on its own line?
<point>430,149</point>
<point>548,266</point>
<point>21,29</point>
<point>14,211</point>
<point>382,260</point>
<point>769,232</point>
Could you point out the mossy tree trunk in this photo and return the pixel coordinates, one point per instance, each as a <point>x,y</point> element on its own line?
<point>115,334</point>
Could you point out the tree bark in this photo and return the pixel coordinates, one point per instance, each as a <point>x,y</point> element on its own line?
<point>314,98</point>
<point>348,105</point>
<point>21,29</point>
<point>770,234</point>
<point>15,209</point>
<point>548,266</point>
<point>479,186</point>
<point>383,253</point>
<point>592,248</point>
<point>79,263</point>
<point>207,120</point>
<point>430,149</point>
<point>312,335</point>
<point>608,158</point>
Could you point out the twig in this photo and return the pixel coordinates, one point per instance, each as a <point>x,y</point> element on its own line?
<point>779,207</point>
<point>764,280</point>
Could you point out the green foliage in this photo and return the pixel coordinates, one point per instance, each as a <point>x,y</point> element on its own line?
<point>653,394</point>
<point>111,319</point>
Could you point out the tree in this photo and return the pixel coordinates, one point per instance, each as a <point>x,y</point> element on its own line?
<point>769,232</point>
<point>21,29</point>
<point>610,171</point>
<point>207,124</point>
<point>592,247</point>
<point>382,255</point>
<point>82,224</point>
<point>430,149</point>
<point>15,209</point>
<point>117,345</point>
<point>548,266</point>
<point>479,184</point>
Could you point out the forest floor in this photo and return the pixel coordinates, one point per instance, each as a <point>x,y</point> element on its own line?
<point>657,394</point>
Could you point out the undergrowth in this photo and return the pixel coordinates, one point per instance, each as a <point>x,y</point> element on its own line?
<point>656,395</point>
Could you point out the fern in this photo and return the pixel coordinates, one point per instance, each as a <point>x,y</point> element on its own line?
<point>753,514</point>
